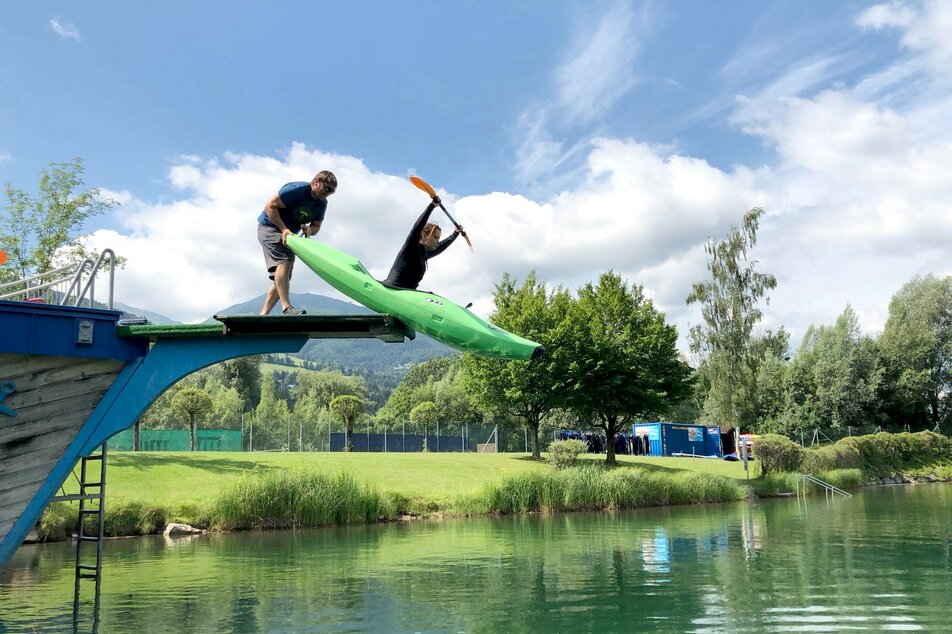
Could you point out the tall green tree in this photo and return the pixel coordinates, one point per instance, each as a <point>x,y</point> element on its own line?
<point>271,417</point>
<point>916,345</point>
<point>623,361</point>
<point>45,229</point>
<point>835,376</point>
<point>730,308</point>
<point>424,417</point>
<point>348,409</point>
<point>528,390</point>
<point>192,404</point>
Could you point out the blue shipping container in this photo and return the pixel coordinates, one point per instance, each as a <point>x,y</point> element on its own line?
<point>667,439</point>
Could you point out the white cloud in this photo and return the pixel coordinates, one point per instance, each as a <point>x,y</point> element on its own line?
<point>65,30</point>
<point>122,198</point>
<point>5,156</point>
<point>925,27</point>
<point>597,70</point>
<point>600,67</point>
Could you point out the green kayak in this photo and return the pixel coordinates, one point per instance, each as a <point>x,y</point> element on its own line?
<point>436,316</point>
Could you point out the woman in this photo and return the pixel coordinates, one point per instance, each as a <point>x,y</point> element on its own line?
<point>422,243</point>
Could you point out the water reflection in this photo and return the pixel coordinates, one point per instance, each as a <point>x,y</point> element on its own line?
<point>880,561</point>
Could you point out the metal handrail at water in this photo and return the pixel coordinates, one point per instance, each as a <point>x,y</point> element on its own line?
<point>829,489</point>
<point>69,285</point>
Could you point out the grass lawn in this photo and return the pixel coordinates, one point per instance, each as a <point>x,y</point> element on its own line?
<point>177,478</point>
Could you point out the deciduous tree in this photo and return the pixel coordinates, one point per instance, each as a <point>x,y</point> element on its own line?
<point>917,351</point>
<point>623,361</point>
<point>730,308</point>
<point>44,230</point>
<point>348,409</point>
<point>528,390</point>
<point>192,404</point>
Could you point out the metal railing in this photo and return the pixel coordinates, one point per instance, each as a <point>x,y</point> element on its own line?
<point>71,285</point>
<point>830,490</point>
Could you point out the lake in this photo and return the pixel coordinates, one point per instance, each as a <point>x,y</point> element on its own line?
<point>880,561</point>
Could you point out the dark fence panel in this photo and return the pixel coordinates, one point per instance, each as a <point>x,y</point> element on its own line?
<point>396,443</point>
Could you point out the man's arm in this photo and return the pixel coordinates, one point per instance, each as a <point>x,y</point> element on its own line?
<point>313,228</point>
<point>271,210</point>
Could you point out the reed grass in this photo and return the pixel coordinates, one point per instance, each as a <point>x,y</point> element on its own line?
<point>292,499</point>
<point>592,488</point>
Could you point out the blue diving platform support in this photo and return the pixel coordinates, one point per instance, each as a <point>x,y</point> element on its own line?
<point>171,356</point>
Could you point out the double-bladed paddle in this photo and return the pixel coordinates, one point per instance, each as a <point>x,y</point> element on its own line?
<point>425,186</point>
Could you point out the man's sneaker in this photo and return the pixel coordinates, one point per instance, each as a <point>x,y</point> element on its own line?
<point>291,310</point>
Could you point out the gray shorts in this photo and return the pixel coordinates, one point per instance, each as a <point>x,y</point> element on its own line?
<point>275,251</point>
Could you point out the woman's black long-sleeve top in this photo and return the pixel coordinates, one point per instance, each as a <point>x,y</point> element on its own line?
<point>410,264</point>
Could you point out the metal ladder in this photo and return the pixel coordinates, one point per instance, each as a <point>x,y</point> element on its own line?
<point>830,490</point>
<point>90,492</point>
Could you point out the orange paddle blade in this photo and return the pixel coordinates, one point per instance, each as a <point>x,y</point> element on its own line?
<point>3,258</point>
<point>422,184</point>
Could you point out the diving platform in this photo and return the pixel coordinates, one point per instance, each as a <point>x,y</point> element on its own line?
<point>71,377</point>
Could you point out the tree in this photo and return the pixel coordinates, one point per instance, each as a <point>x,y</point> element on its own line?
<point>528,390</point>
<point>323,387</point>
<point>624,365</point>
<point>270,418</point>
<point>42,231</point>
<point>406,395</point>
<point>192,404</point>
<point>227,408</point>
<point>348,409</point>
<point>423,417</point>
<point>835,376</point>
<point>729,306</point>
<point>916,346</point>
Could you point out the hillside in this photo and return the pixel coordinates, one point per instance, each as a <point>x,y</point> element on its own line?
<point>381,364</point>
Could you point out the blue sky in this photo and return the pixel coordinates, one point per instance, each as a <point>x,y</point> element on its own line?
<point>571,137</point>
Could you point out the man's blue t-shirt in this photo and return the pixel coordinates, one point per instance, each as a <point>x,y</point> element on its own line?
<point>300,207</point>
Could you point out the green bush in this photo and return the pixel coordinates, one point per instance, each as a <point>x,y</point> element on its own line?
<point>565,453</point>
<point>885,454</point>
<point>778,453</point>
<point>844,454</point>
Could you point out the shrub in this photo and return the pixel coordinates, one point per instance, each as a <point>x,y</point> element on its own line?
<point>885,454</point>
<point>844,454</point>
<point>565,453</point>
<point>778,453</point>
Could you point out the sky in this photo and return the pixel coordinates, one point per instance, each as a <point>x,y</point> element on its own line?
<point>568,138</point>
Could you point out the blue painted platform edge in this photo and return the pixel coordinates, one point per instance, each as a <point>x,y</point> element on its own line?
<point>69,331</point>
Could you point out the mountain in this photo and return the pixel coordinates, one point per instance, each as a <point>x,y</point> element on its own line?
<point>381,364</point>
<point>359,356</point>
<point>132,311</point>
<point>313,304</point>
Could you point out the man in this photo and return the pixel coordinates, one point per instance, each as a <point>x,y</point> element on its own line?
<point>298,206</point>
<point>422,243</point>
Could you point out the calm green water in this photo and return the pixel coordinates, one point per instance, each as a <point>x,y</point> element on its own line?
<point>881,561</point>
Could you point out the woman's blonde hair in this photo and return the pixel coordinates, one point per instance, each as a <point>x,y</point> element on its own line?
<point>429,229</point>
